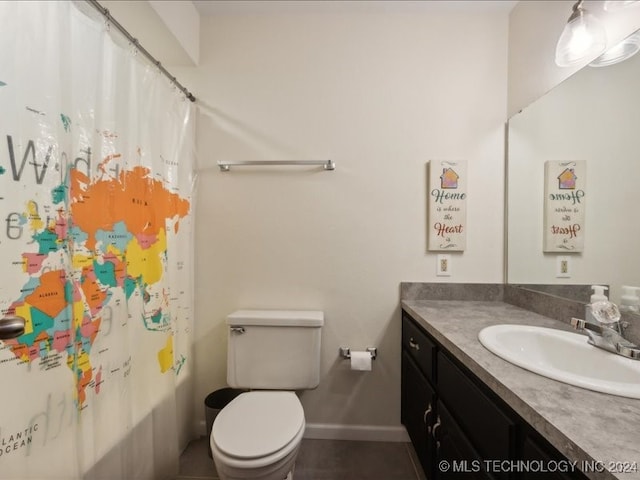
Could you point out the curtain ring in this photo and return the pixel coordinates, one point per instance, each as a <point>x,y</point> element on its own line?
<point>107,20</point>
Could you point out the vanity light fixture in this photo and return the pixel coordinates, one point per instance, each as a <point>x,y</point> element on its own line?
<point>583,38</point>
<point>612,6</point>
<point>620,52</point>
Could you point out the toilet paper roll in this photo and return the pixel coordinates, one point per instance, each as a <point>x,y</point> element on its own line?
<point>360,361</point>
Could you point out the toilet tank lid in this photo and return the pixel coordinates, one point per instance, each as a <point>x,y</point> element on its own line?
<point>294,318</point>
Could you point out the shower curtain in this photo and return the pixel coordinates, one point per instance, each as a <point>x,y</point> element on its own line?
<point>96,202</point>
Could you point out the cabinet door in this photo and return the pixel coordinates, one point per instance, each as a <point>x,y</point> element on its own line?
<point>540,456</point>
<point>484,422</point>
<point>455,456</point>
<point>418,404</point>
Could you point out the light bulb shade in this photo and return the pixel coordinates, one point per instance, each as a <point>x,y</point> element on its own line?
<point>582,39</point>
<point>620,52</point>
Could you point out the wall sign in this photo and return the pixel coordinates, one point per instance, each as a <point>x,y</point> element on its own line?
<point>447,217</point>
<point>564,206</point>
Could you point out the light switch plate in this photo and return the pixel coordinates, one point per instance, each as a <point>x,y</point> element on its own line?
<point>443,267</point>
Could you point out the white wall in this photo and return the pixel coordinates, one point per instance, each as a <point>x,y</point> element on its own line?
<point>534,29</point>
<point>380,94</point>
<point>168,29</point>
<point>183,21</point>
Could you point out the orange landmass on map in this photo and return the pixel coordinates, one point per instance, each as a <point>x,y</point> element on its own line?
<point>93,292</point>
<point>141,202</point>
<point>48,297</point>
<point>84,373</point>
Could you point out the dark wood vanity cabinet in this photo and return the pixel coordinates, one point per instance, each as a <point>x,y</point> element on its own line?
<point>418,394</point>
<point>418,407</point>
<point>459,428</point>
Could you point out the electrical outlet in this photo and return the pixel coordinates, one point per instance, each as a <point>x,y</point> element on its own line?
<point>443,267</point>
<point>563,267</point>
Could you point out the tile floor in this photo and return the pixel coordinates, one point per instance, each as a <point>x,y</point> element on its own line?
<point>324,460</point>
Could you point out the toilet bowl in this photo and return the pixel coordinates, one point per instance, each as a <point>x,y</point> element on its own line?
<point>257,436</point>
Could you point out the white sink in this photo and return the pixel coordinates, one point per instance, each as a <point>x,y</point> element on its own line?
<point>564,356</point>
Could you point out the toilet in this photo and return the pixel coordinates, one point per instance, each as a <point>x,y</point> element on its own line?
<point>272,353</point>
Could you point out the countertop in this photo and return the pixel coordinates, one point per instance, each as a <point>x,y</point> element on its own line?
<point>583,425</point>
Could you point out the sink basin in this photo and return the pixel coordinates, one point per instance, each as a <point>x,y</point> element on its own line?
<point>564,356</point>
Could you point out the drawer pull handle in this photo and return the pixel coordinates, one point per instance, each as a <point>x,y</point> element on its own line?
<point>413,344</point>
<point>424,417</point>
<point>435,427</point>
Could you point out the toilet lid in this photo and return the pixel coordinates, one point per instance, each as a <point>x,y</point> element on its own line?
<point>259,423</point>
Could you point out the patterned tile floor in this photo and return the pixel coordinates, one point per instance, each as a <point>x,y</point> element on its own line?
<point>324,460</point>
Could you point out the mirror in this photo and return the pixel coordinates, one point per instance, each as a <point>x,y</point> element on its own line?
<point>592,116</point>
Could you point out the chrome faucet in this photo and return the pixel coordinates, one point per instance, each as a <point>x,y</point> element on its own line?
<point>608,331</point>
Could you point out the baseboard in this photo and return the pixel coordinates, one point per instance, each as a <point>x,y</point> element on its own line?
<point>371,433</point>
<point>332,431</point>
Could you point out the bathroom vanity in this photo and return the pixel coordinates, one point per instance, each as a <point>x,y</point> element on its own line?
<point>470,414</point>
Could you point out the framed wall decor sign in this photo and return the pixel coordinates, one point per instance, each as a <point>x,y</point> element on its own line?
<point>447,206</point>
<point>564,205</point>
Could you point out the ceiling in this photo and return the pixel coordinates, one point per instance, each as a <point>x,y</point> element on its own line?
<point>219,7</point>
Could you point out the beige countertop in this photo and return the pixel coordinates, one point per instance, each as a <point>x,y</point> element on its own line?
<point>586,426</point>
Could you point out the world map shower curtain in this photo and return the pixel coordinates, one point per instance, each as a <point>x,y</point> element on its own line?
<point>96,190</point>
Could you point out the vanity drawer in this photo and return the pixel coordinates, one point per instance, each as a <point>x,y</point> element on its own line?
<point>420,348</point>
<point>489,429</point>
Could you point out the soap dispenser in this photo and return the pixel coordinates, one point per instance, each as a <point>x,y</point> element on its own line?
<point>597,296</point>
<point>630,302</point>
<point>598,293</point>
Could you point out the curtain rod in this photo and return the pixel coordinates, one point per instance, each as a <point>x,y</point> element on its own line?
<point>134,41</point>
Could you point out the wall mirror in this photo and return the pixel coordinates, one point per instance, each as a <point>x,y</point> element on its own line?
<point>593,116</point>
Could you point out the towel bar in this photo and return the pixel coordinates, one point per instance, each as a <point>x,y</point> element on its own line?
<point>226,165</point>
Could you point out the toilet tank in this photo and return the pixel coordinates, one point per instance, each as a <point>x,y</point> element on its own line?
<point>274,349</point>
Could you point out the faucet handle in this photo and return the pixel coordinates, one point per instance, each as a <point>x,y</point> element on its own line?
<point>577,323</point>
<point>628,351</point>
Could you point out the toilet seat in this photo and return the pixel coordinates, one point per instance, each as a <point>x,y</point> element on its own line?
<point>258,427</point>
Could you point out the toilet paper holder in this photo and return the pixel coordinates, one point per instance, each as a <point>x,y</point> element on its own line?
<point>345,352</point>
